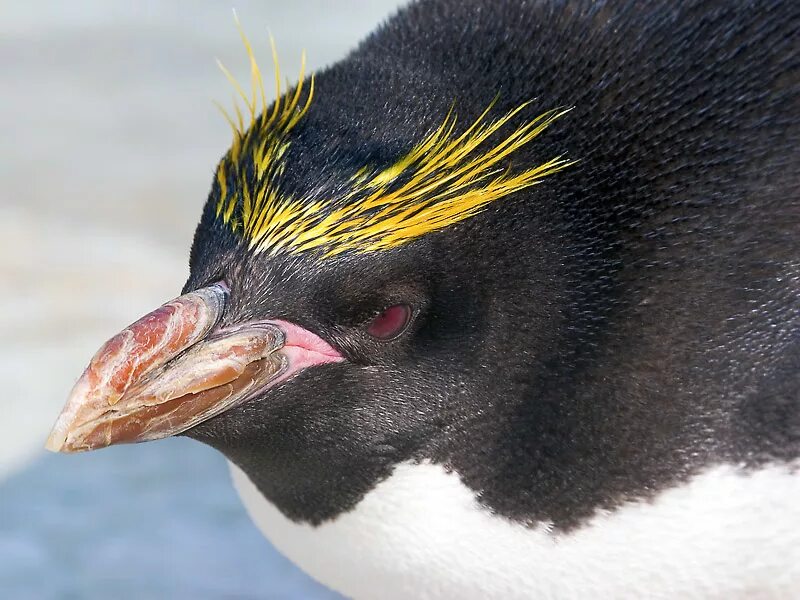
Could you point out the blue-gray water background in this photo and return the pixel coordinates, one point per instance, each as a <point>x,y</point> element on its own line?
<point>157,521</point>
<point>109,141</point>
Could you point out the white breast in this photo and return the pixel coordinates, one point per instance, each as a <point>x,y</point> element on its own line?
<point>421,534</point>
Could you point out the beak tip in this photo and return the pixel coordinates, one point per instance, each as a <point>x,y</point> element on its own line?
<point>57,440</point>
<point>55,443</point>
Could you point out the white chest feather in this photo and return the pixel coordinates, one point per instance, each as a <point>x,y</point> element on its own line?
<point>421,534</point>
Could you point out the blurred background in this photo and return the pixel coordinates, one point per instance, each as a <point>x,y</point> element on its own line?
<point>109,141</point>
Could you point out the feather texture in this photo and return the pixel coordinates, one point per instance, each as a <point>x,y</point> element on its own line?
<point>443,179</point>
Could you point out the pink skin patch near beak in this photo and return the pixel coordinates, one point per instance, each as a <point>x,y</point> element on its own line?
<point>171,370</point>
<point>302,349</point>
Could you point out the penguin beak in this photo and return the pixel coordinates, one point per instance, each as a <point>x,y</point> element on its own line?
<point>167,372</point>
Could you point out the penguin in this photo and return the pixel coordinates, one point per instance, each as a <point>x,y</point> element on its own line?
<point>505,304</point>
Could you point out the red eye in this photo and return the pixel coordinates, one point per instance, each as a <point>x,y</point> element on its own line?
<point>391,322</point>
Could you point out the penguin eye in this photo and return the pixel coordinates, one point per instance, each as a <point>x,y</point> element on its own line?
<point>390,323</point>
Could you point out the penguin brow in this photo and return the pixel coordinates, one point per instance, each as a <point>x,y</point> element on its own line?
<point>443,179</point>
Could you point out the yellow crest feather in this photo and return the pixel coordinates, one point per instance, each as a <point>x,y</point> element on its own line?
<point>442,180</point>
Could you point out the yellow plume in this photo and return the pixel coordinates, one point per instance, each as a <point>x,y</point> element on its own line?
<point>442,180</point>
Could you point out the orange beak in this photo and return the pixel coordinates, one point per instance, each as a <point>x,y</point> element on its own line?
<point>167,372</point>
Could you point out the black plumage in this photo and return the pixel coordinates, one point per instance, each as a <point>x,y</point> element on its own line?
<point>599,337</point>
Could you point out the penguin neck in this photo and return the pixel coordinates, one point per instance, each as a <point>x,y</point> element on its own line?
<point>422,533</point>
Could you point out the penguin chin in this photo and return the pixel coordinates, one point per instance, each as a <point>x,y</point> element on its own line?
<point>173,369</point>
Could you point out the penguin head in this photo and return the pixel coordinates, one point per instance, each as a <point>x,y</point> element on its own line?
<point>399,272</point>
<point>353,292</point>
